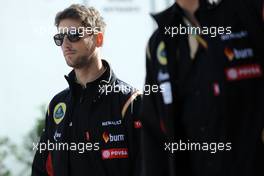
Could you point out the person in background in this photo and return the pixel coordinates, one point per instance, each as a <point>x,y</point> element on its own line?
<point>207,118</point>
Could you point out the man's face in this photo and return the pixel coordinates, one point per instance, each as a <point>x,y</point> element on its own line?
<point>78,53</point>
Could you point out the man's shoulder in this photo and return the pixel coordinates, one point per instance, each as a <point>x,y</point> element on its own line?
<point>59,100</point>
<point>154,38</point>
<point>155,45</point>
<point>127,95</point>
<point>62,96</point>
<point>166,16</point>
<point>122,88</point>
<point>124,91</point>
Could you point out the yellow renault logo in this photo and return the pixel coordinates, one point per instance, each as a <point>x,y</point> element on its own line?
<point>59,112</point>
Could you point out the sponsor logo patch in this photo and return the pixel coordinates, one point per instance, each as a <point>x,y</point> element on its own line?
<point>166,92</point>
<point>114,153</point>
<point>161,54</point>
<point>59,112</point>
<point>216,89</point>
<point>243,72</point>
<point>112,123</point>
<point>234,35</point>
<point>232,54</point>
<point>56,136</point>
<point>137,124</point>
<point>113,138</point>
<point>162,76</point>
<point>229,54</point>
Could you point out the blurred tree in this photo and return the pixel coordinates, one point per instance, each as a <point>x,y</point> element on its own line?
<point>25,153</point>
<point>4,152</point>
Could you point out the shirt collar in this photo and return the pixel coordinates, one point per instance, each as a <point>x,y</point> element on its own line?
<point>108,77</point>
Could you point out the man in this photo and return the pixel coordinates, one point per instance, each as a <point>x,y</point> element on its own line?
<point>207,118</point>
<point>91,127</point>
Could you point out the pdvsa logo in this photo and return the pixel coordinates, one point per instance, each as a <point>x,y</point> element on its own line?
<point>243,72</point>
<point>113,138</point>
<point>115,153</point>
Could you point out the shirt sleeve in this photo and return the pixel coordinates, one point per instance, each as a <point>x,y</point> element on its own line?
<point>133,125</point>
<point>154,159</point>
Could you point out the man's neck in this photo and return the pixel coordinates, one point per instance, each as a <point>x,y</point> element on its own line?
<point>90,72</point>
<point>189,5</point>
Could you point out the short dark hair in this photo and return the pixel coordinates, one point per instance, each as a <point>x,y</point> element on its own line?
<point>89,16</point>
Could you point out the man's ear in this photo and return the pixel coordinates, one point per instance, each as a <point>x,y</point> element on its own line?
<point>99,39</point>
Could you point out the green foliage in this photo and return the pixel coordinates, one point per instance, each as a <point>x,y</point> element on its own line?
<point>4,152</point>
<point>24,153</point>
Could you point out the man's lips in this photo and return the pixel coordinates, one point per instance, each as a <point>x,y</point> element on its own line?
<point>69,52</point>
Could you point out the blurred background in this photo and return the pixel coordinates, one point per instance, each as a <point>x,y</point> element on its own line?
<point>33,68</point>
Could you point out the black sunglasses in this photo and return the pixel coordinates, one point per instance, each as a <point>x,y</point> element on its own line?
<point>58,38</point>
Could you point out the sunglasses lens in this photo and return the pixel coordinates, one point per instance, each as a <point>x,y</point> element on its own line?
<point>73,37</point>
<point>58,39</point>
<point>58,42</point>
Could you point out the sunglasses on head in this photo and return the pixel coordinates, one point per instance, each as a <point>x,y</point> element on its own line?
<point>58,38</point>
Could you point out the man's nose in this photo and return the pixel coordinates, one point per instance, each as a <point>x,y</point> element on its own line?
<point>66,42</point>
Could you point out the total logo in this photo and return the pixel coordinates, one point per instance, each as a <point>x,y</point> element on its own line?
<point>238,54</point>
<point>115,153</point>
<point>113,138</point>
<point>243,72</point>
